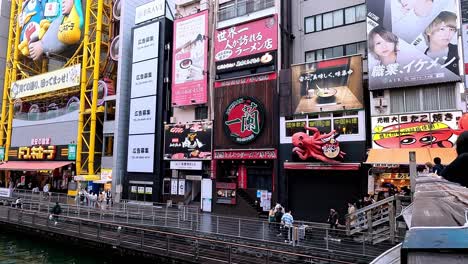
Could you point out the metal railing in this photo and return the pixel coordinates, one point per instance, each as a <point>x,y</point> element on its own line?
<point>307,235</point>
<point>242,7</point>
<point>161,243</point>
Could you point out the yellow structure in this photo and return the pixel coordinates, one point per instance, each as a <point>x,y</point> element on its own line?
<point>96,42</point>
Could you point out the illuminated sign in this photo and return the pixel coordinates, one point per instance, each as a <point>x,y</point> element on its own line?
<point>243,119</point>
<point>37,153</point>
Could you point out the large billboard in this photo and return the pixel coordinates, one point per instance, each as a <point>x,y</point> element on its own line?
<point>329,85</point>
<point>188,141</point>
<point>435,130</point>
<point>142,115</point>
<point>140,156</point>
<point>146,42</point>
<point>190,60</point>
<point>412,42</point>
<point>50,27</point>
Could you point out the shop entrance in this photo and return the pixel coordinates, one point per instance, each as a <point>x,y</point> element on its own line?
<point>140,191</point>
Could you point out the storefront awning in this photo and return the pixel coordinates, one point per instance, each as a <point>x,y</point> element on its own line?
<point>32,165</point>
<point>87,178</point>
<point>401,156</point>
<point>320,166</point>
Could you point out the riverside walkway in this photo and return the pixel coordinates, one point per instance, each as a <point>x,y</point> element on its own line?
<point>145,226</point>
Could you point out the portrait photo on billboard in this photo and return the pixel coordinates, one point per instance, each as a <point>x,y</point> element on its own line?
<point>50,27</point>
<point>188,141</point>
<point>329,85</point>
<point>190,60</point>
<point>412,42</point>
<point>417,130</point>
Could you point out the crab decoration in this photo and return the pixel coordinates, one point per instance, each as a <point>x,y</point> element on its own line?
<point>324,147</point>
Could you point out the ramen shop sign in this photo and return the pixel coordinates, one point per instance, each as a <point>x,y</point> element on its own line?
<point>243,119</point>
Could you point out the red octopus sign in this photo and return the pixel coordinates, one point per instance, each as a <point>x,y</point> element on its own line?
<point>323,147</point>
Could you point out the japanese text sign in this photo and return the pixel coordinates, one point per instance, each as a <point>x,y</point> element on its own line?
<point>436,130</point>
<point>190,60</point>
<point>188,141</point>
<point>412,44</point>
<point>246,39</point>
<point>330,85</point>
<point>37,153</point>
<point>47,82</point>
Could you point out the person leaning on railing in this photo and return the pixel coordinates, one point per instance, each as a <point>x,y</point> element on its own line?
<point>456,171</point>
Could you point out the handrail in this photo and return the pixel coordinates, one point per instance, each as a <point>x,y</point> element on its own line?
<point>374,205</point>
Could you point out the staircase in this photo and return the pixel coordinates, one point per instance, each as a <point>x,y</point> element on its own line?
<point>375,223</point>
<point>253,203</point>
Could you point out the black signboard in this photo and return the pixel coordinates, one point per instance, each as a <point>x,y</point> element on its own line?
<point>262,60</point>
<point>39,153</point>
<point>188,141</point>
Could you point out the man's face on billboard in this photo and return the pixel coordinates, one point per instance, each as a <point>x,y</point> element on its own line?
<point>442,35</point>
<point>67,6</point>
<point>382,47</point>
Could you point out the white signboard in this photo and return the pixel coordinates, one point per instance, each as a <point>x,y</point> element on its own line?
<point>140,153</point>
<point>181,187</point>
<point>47,82</point>
<point>146,42</point>
<point>186,165</point>
<point>174,186</point>
<point>151,10</point>
<point>141,189</point>
<point>144,78</point>
<point>142,115</point>
<point>148,190</point>
<point>5,192</point>
<point>465,51</point>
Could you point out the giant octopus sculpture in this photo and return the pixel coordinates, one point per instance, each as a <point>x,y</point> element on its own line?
<point>321,147</point>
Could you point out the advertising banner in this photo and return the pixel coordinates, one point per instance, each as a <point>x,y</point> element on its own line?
<point>142,115</point>
<point>465,51</point>
<point>106,174</point>
<point>329,85</point>
<point>190,60</point>
<point>246,80</point>
<point>259,36</point>
<point>146,42</point>
<point>246,62</point>
<point>140,153</point>
<point>188,141</point>
<point>412,42</point>
<point>151,10</point>
<point>50,27</point>
<point>144,78</point>
<point>243,119</point>
<point>48,82</point>
<point>436,130</point>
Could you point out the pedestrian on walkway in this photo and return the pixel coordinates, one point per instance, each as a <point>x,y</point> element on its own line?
<point>352,215</point>
<point>287,221</point>
<point>278,215</point>
<point>271,218</point>
<point>438,167</point>
<point>109,197</point>
<point>56,211</point>
<point>333,221</point>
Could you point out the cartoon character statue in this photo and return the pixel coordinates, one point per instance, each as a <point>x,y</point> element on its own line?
<point>321,147</point>
<point>61,26</point>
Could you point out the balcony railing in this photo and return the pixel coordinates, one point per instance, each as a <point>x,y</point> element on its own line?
<point>238,8</point>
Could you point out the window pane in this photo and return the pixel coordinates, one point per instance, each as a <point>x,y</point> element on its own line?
<point>338,18</point>
<point>310,56</point>
<point>346,125</point>
<point>350,15</point>
<point>361,48</point>
<point>241,7</point>
<point>294,127</point>
<point>309,24</point>
<point>361,13</point>
<point>397,101</point>
<point>324,126</point>
<point>327,20</point>
<point>351,49</point>
<point>431,101</point>
<point>338,51</point>
<point>328,53</point>
<point>318,22</point>
<point>447,97</point>
<point>319,54</point>
<point>412,100</point>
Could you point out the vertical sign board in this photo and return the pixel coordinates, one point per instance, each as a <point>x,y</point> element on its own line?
<point>151,10</point>
<point>142,116</point>
<point>190,60</point>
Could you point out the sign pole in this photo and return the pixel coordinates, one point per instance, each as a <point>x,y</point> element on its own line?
<point>413,171</point>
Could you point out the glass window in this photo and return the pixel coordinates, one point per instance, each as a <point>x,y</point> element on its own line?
<point>412,100</point>
<point>310,56</point>
<point>201,112</point>
<point>362,48</point>
<point>431,98</point>
<point>447,97</point>
<point>337,18</point>
<point>350,15</point>
<point>328,53</point>
<point>324,126</point>
<point>346,126</point>
<point>309,24</point>
<point>319,55</point>
<point>351,49</point>
<point>397,101</point>
<point>294,127</point>
<point>318,22</point>
<point>108,145</point>
<point>338,51</point>
<point>167,186</point>
<point>327,20</point>
<point>110,110</point>
<point>361,12</point>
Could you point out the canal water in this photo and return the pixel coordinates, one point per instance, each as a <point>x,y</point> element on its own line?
<point>18,248</point>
